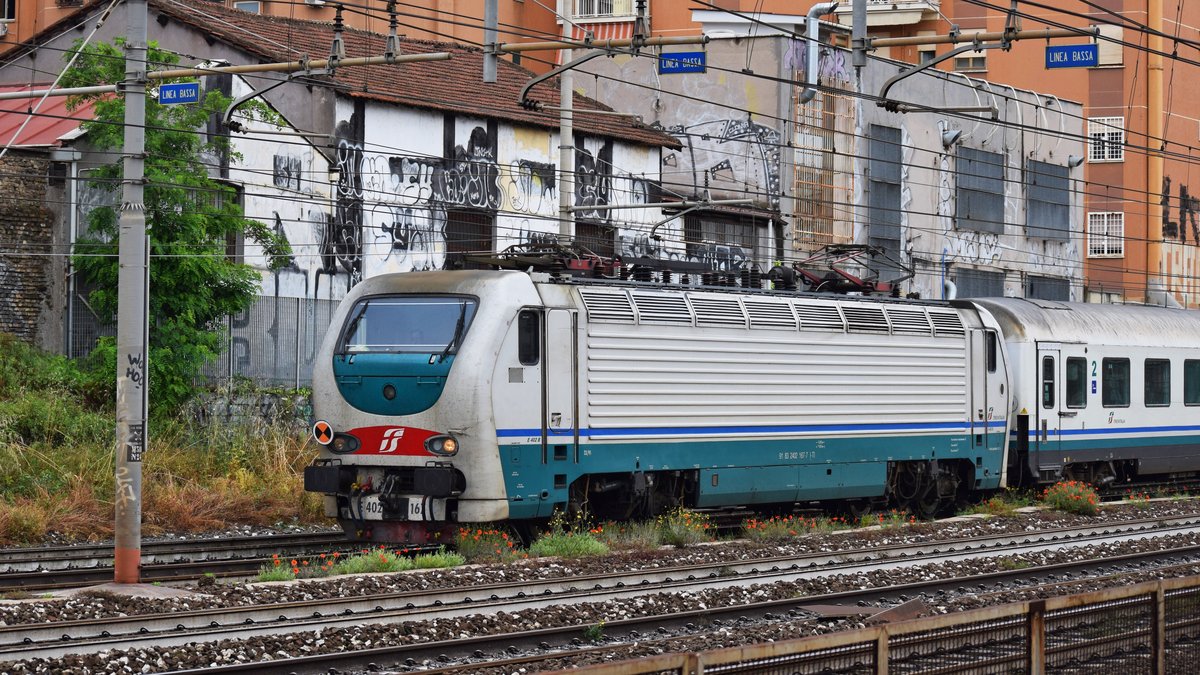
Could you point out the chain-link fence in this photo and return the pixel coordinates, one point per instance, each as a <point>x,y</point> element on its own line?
<point>273,343</point>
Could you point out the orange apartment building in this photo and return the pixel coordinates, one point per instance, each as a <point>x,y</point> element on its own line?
<point>1140,240</point>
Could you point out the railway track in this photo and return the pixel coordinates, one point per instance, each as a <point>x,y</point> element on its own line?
<point>56,639</point>
<point>57,567</point>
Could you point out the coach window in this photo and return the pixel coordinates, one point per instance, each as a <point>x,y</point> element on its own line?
<point>1115,383</point>
<point>1191,382</point>
<point>991,351</point>
<point>1048,382</point>
<point>1076,383</point>
<point>1158,382</point>
<point>528,344</point>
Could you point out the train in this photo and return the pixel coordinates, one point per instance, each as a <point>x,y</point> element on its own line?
<point>451,397</point>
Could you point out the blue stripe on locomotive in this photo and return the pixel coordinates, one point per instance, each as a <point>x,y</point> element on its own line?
<point>738,472</point>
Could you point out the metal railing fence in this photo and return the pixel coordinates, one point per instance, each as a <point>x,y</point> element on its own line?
<point>1152,627</point>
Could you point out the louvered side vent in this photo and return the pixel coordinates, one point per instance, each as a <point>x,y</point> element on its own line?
<point>766,314</point>
<point>865,318</point>
<point>909,321</point>
<point>946,323</point>
<point>717,311</point>
<point>662,308</point>
<point>819,317</point>
<point>604,305</point>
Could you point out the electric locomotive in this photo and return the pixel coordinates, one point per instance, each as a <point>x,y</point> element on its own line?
<point>476,396</point>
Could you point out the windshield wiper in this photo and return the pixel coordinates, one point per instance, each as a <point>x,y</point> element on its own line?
<point>458,331</point>
<point>351,327</point>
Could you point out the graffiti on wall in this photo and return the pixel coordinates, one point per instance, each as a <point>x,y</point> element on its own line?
<point>707,148</point>
<point>287,168</point>
<point>833,65</point>
<point>1187,206</point>
<point>714,257</point>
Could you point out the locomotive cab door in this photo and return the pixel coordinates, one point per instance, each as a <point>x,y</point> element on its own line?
<point>989,392</point>
<point>560,433</point>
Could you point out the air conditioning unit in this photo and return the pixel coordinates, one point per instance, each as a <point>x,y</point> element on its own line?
<point>3,29</point>
<point>314,2</point>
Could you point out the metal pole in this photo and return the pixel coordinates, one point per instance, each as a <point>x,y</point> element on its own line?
<point>858,34</point>
<point>133,281</point>
<point>491,21</point>
<point>1155,280</point>
<point>566,140</point>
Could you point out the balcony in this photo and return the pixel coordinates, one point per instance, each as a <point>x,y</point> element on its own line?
<point>883,13</point>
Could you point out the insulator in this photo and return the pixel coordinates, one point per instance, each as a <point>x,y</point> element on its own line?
<point>744,274</point>
<point>686,280</point>
<point>666,276</point>
<point>706,279</point>
<point>642,274</point>
<point>755,278</point>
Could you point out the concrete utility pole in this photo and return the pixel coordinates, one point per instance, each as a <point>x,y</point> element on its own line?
<point>491,21</point>
<point>133,327</point>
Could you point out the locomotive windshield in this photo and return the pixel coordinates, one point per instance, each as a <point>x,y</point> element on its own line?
<point>407,324</point>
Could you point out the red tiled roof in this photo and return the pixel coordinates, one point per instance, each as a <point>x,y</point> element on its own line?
<point>50,123</point>
<point>455,85</point>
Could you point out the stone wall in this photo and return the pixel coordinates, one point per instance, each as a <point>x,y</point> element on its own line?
<point>27,260</point>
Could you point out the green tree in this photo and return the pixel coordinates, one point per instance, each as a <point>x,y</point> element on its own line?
<point>189,215</point>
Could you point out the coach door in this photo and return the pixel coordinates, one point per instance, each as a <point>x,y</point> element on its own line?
<point>1049,399</point>
<point>560,406</point>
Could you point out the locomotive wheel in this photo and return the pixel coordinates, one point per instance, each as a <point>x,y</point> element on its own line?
<point>927,506</point>
<point>908,483</point>
<point>855,509</point>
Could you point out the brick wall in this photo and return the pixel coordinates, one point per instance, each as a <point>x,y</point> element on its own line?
<point>26,244</point>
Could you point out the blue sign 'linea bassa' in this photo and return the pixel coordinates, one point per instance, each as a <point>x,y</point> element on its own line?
<point>1073,56</point>
<point>184,92</point>
<point>682,62</point>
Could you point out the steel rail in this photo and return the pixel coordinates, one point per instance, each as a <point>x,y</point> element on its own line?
<point>55,639</point>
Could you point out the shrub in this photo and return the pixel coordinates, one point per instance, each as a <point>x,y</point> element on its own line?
<point>892,518</point>
<point>779,528</point>
<point>567,545</point>
<point>372,561</point>
<point>1139,499</point>
<point>1072,496</point>
<point>681,528</point>
<point>486,544</point>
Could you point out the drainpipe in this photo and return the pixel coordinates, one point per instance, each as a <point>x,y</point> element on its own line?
<point>814,53</point>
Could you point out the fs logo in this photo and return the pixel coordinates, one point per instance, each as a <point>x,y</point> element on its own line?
<point>391,440</point>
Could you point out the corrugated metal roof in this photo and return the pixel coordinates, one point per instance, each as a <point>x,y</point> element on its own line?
<point>46,127</point>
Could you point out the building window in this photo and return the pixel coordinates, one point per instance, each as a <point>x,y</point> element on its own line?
<point>598,238</point>
<point>1110,47</point>
<point>722,243</point>
<point>1115,380</point>
<point>8,10</point>
<point>602,8</point>
<point>1048,201</point>
<point>1107,139</point>
<point>883,200</point>
<point>1106,234</point>
<point>468,232</point>
<point>252,7</point>
<point>970,64</point>
<point>1158,382</point>
<point>1047,288</point>
<point>978,284</point>
<point>980,194</point>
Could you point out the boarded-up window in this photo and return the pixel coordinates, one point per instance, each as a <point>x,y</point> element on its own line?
<point>979,284</point>
<point>468,232</point>
<point>1048,205</point>
<point>595,237</point>
<point>980,194</point>
<point>1110,47</point>
<point>883,204</point>
<point>1047,288</point>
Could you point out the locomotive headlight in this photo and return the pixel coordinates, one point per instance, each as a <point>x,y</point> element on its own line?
<point>343,443</point>
<point>444,446</point>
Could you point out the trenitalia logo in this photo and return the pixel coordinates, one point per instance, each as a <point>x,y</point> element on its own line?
<point>391,440</point>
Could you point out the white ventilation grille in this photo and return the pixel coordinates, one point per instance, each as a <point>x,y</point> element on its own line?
<point>865,318</point>
<point>909,321</point>
<point>819,317</point>
<point>662,308</point>
<point>605,305</point>
<point>718,311</point>
<point>766,314</point>
<point>946,323</point>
